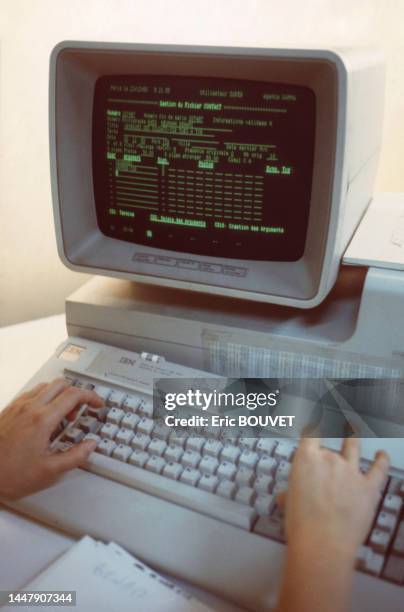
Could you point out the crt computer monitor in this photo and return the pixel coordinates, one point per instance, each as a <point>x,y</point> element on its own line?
<point>232,171</point>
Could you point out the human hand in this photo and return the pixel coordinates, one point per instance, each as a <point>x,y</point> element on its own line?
<point>26,427</point>
<point>329,502</point>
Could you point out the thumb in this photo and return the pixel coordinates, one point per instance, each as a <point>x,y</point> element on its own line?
<point>74,457</point>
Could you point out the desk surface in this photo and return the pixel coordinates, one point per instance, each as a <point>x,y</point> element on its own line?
<point>31,546</point>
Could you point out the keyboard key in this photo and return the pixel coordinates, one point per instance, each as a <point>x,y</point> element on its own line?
<point>284,451</point>
<point>282,471</point>
<point>177,440</point>
<point>264,483</point>
<point>131,403</point>
<point>393,504</point>
<point>115,416</point>
<point>80,384</point>
<point>116,398</point>
<point>146,408</point>
<point>264,504</point>
<point>226,470</point>
<point>364,466</point>
<point>190,459</point>
<point>130,421</point>
<point>244,477</point>
<point>105,447</point>
<point>230,453</point>
<point>73,434</point>
<point>145,426</point>
<point>195,444</point>
<point>122,452</point>
<point>269,528</point>
<point>374,563</point>
<point>109,431</point>
<point>124,436</point>
<point>267,465</point>
<point>172,470</point>
<point>247,443</point>
<point>226,488</point>
<point>157,447</point>
<point>161,431</point>
<point>394,569</point>
<point>92,436</point>
<point>190,476</point>
<point>232,441</point>
<point>138,458</point>
<point>155,464</point>
<point>89,424</point>
<point>140,441</point>
<point>394,486</point>
<point>361,556</point>
<point>173,453</point>
<point>208,482</point>
<point>248,459</point>
<point>212,447</point>
<point>246,496</point>
<point>379,540</point>
<point>98,413</point>
<point>208,465</point>
<point>103,392</point>
<point>386,521</point>
<point>266,446</point>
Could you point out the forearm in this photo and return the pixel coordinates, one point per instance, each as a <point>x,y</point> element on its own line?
<point>317,577</point>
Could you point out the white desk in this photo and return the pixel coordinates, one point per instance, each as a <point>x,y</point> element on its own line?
<point>30,546</point>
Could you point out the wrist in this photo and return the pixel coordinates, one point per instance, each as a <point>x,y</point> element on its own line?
<point>322,546</point>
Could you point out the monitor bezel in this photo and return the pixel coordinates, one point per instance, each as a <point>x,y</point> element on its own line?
<point>75,66</point>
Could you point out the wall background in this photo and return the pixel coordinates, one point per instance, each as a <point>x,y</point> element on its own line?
<point>33,283</point>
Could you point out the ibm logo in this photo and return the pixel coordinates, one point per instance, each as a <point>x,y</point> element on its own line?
<point>127,361</point>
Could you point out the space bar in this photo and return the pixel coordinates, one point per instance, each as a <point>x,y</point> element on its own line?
<point>172,491</point>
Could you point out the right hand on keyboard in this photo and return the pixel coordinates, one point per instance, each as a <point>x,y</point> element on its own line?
<point>330,505</point>
<point>328,498</point>
<point>26,427</point>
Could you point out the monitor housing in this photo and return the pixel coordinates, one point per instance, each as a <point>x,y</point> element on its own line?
<point>343,93</point>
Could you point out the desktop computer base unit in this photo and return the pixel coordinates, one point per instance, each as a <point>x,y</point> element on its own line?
<point>356,332</point>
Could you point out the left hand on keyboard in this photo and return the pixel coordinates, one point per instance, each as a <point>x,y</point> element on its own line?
<point>26,427</point>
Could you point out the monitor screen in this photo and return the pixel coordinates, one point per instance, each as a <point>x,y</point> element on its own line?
<point>207,166</point>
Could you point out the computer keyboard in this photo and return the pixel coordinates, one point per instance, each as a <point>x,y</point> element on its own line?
<point>234,480</point>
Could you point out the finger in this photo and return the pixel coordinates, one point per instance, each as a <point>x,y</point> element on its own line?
<point>71,416</point>
<point>68,400</point>
<point>309,444</point>
<point>377,474</point>
<point>351,449</point>
<point>53,390</point>
<point>74,457</point>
